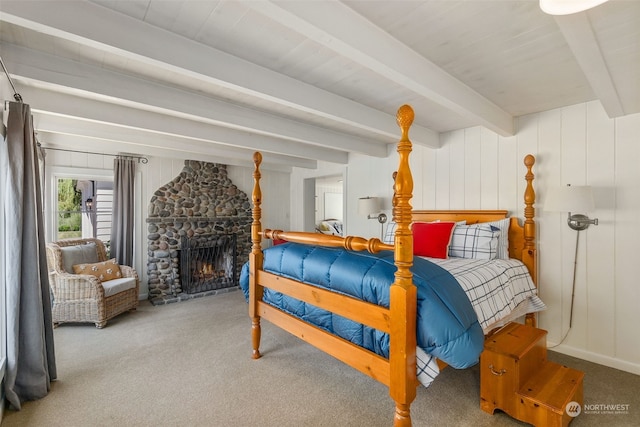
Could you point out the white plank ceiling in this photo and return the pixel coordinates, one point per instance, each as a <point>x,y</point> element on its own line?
<point>305,81</point>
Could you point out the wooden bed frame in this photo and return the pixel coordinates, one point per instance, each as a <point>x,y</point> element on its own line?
<point>399,320</point>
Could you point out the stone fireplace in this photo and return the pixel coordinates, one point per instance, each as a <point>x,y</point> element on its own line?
<point>199,214</point>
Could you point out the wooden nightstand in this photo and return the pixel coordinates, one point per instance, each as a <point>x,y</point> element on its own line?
<point>517,378</point>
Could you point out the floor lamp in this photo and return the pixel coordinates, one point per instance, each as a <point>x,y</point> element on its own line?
<point>573,198</point>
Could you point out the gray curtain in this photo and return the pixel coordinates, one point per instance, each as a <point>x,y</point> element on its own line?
<point>124,173</point>
<point>31,364</point>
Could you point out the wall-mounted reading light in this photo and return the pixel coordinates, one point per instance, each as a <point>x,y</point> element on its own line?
<point>370,206</point>
<point>573,198</point>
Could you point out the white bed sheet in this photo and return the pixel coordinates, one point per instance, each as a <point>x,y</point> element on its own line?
<point>500,290</point>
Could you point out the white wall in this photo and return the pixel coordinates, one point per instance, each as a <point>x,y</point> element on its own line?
<point>157,172</point>
<point>476,168</point>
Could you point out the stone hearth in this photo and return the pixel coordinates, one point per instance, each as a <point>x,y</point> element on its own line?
<point>201,201</point>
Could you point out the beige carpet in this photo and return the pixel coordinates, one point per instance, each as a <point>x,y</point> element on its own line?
<point>189,364</point>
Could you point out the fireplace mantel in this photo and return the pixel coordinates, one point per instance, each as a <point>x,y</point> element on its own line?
<point>191,219</point>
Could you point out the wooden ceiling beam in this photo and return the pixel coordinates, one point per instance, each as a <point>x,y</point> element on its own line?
<point>109,31</point>
<point>84,143</point>
<point>152,96</point>
<point>59,103</point>
<point>578,32</point>
<point>341,29</point>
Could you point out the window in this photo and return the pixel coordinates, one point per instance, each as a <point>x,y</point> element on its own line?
<point>84,209</point>
<point>80,204</point>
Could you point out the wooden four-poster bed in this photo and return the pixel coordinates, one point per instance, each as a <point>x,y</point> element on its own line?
<point>393,363</point>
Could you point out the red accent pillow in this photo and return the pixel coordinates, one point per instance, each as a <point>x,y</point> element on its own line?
<point>432,239</point>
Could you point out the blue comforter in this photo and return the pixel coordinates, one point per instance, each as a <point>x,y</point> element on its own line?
<point>447,326</point>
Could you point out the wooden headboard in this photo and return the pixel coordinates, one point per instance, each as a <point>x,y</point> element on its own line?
<point>522,243</point>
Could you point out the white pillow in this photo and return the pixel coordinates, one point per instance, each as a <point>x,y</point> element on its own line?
<point>478,241</point>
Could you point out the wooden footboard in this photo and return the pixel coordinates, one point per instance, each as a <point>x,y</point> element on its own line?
<point>399,320</point>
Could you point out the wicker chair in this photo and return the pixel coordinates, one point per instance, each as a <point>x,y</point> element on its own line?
<point>83,297</point>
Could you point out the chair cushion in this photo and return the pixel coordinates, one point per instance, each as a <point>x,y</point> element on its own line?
<point>78,254</point>
<point>105,270</point>
<point>112,287</point>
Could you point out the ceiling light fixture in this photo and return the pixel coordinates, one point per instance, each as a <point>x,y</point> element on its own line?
<point>567,7</point>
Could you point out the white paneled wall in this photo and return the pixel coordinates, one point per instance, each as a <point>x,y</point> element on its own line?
<point>476,168</point>
<point>275,208</point>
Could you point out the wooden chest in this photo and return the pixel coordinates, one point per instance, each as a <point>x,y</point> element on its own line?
<point>511,356</point>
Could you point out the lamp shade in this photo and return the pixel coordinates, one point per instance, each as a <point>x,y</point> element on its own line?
<point>571,198</point>
<point>368,205</point>
<point>567,7</point>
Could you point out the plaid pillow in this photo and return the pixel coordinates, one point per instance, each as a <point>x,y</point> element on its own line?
<point>390,234</point>
<point>478,241</point>
<point>503,240</point>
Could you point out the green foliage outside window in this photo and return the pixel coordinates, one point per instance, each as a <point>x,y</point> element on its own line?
<point>69,208</point>
<point>69,198</point>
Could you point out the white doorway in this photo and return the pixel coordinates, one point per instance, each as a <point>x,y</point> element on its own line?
<point>329,204</point>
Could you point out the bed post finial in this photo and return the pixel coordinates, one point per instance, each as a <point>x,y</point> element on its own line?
<point>404,118</point>
<point>403,293</point>
<point>529,200</point>
<point>255,257</point>
<point>529,253</point>
<point>403,189</point>
<point>256,196</point>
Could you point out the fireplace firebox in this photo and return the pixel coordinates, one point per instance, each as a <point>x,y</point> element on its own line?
<point>208,263</point>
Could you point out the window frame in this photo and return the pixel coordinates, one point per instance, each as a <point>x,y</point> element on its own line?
<point>60,172</point>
